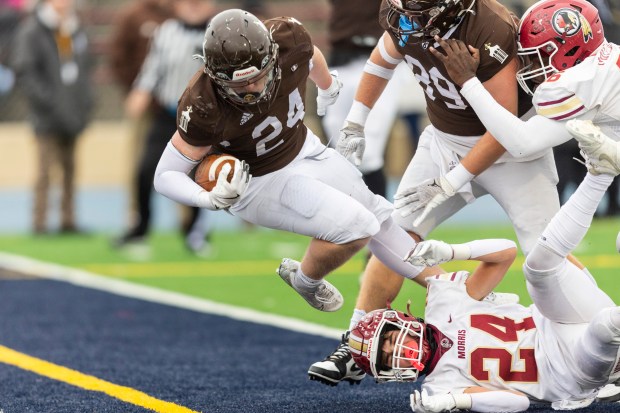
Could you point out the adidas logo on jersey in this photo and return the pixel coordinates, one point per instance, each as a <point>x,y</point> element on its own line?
<point>245,117</point>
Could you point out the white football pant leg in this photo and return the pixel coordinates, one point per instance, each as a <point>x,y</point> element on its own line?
<point>319,194</point>
<point>390,245</point>
<point>527,192</point>
<point>569,225</point>
<point>421,168</point>
<point>596,352</point>
<point>566,294</point>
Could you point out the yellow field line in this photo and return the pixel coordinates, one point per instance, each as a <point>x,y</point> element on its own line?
<point>75,378</point>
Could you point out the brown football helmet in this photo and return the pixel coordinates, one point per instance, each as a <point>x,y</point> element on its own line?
<point>416,21</point>
<point>241,58</point>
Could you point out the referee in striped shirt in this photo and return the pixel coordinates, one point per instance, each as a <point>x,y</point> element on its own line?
<point>165,73</point>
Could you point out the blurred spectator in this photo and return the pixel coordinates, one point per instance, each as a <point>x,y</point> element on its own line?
<point>10,16</point>
<point>130,39</point>
<point>53,66</point>
<point>608,11</point>
<point>128,47</point>
<point>256,7</point>
<point>163,77</point>
<point>613,207</point>
<point>353,33</point>
<point>570,172</point>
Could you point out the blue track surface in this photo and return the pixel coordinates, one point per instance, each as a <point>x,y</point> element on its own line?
<point>203,362</point>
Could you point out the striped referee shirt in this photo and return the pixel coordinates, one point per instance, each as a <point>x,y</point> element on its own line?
<point>169,65</point>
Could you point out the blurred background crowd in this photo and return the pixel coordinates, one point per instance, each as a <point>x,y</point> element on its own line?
<point>68,151</point>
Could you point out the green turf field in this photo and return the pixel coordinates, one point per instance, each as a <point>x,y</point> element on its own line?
<point>241,268</point>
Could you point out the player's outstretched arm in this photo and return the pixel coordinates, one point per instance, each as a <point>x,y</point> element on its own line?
<point>495,256</point>
<point>327,83</point>
<point>520,138</point>
<point>377,72</point>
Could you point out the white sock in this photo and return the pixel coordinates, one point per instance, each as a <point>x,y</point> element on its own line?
<point>356,317</point>
<point>570,224</point>
<point>304,283</point>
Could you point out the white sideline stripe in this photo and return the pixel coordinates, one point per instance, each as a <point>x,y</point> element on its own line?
<point>127,289</point>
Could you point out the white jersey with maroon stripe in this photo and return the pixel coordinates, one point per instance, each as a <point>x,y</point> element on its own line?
<point>498,347</point>
<point>590,90</point>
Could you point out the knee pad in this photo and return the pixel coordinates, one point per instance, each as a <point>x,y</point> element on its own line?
<point>543,258</point>
<point>605,325</point>
<point>358,224</point>
<point>296,196</point>
<point>336,217</point>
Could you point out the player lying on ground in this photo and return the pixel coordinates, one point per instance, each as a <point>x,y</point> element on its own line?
<point>488,358</point>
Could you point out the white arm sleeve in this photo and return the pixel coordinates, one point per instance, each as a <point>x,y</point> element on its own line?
<point>498,401</point>
<point>172,180</point>
<point>482,247</point>
<point>519,138</point>
<point>477,248</point>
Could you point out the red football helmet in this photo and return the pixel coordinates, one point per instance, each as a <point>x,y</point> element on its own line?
<point>556,35</point>
<point>410,349</point>
<point>415,21</point>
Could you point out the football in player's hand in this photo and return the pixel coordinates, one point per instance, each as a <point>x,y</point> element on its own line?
<point>209,169</point>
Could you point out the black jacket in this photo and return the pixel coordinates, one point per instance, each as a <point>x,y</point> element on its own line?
<point>57,107</point>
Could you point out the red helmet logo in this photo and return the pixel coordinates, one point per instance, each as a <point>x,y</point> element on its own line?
<point>566,22</point>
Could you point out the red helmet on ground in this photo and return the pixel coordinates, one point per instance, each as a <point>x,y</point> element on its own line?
<point>556,35</point>
<point>366,341</point>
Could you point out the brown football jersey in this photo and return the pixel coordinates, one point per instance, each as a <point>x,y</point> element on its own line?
<point>267,140</point>
<point>489,27</point>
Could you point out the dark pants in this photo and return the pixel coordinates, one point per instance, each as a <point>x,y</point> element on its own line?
<point>160,132</point>
<point>572,172</point>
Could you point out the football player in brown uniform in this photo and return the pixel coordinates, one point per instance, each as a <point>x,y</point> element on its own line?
<point>249,102</point>
<point>457,160</point>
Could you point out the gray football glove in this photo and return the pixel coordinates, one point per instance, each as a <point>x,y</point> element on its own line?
<point>430,253</point>
<point>351,143</point>
<point>428,195</point>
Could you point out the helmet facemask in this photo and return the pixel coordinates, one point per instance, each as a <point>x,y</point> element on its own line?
<point>537,65</point>
<point>416,21</point>
<point>236,90</point>
<point>405,332</point>
<point>241,58</point>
